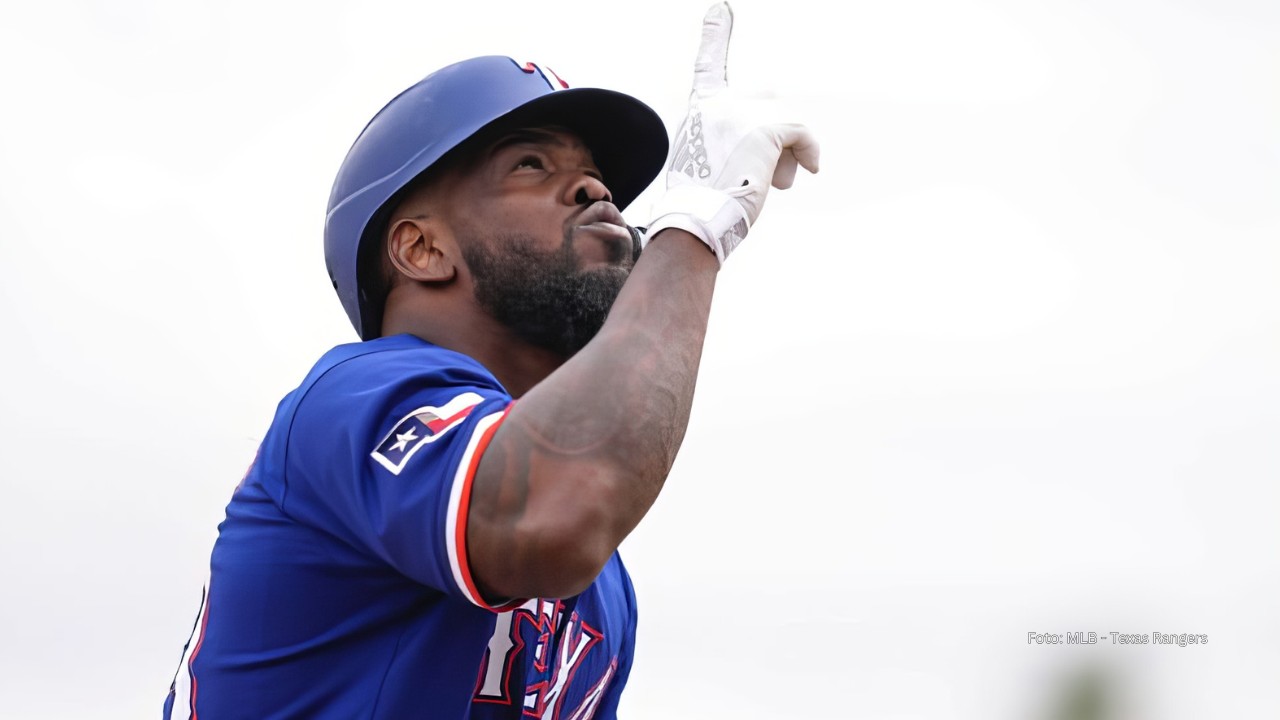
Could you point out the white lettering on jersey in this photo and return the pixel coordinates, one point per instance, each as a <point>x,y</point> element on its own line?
<point>577,637</point>
<point>508,647</point>
<point>497,659</point>
<point>589,703</point>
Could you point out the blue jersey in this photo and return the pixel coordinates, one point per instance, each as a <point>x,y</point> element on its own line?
<point>339,584</point>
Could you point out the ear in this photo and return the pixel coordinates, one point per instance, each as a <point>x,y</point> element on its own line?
<point>419,250</point>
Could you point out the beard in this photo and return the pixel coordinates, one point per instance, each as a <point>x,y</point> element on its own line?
<point>543,296</point>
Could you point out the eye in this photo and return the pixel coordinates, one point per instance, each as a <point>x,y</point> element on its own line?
<point>530,161</point>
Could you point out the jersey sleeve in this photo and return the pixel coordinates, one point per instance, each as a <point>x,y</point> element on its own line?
<point>381,453</point>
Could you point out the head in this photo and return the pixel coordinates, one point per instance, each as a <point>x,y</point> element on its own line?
<point>413,153</point>
<point>520,222</point>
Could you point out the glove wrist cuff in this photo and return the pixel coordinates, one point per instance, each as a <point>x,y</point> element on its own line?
<point>710,215</point>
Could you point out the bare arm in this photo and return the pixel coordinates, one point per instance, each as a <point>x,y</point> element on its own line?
<point>582,456</point>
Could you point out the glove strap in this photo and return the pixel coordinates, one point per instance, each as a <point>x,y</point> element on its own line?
<point>710,215</point>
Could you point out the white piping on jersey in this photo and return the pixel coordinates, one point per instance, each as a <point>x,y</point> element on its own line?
<point>182,680</point>
<point>455,500</point>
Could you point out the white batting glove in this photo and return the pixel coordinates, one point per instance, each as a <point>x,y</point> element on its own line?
<point>721,164</point>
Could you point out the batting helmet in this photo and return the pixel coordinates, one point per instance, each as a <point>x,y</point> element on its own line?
<point>627,139</point>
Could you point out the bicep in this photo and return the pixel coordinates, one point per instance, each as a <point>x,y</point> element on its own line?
<point>538,524</point>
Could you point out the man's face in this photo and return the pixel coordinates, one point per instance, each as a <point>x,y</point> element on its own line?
<point>548,253</point>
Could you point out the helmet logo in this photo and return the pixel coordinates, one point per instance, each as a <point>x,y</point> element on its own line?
<point>553,80</point>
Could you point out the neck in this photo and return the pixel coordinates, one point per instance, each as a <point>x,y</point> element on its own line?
<point>516,364</point>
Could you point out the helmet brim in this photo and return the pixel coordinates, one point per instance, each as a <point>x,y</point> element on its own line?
<point>627,139</point>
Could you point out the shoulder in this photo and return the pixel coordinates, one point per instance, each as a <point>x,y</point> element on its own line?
<point>390,391</point>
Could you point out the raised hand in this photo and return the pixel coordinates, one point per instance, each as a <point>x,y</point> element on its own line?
<point>722,161</point>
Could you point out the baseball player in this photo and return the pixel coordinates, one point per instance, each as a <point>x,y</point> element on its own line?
<point>430,527</point>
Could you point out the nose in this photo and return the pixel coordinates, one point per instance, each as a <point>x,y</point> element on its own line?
<point>586,189</point>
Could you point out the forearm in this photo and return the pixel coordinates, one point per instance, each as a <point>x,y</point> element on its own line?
<point>623,401</point>
<point>583,455</point>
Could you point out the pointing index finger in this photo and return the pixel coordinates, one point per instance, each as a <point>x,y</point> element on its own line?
<point>710,70</point>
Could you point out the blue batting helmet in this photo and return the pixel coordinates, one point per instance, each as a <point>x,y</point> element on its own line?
<point>627,139</point>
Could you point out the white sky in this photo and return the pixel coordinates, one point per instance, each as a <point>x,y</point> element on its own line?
<point>1010,362</point>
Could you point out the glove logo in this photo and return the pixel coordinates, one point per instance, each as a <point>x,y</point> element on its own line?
<point>690,152</point>
<point>732,237</point>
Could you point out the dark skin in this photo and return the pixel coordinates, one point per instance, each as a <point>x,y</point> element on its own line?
<point>582,455</point>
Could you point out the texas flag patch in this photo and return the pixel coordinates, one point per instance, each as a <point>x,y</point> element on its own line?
<point>422,426</point>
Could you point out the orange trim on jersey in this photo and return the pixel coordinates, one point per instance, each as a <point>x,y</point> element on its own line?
<point>464,509</point>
